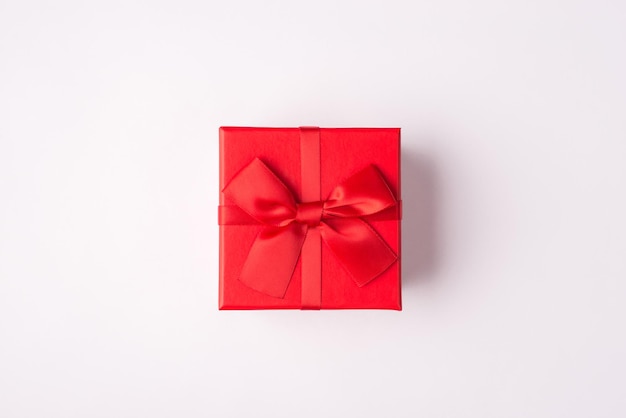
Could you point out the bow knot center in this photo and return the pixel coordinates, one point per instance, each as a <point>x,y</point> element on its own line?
<point>310,213</point>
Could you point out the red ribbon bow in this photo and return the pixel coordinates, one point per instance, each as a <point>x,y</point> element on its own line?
<point>273,256</point>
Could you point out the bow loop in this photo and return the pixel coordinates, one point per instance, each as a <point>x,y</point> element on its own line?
<point>257,191</point>
<point>364,193</point>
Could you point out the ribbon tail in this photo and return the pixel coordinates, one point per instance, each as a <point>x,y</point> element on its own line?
<point>272,259</point>
<point>358,247</point>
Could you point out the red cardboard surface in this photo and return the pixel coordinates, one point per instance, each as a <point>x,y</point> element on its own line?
<point>344,151</point>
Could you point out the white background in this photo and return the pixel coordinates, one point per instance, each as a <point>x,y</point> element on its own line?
<point>514,175</point>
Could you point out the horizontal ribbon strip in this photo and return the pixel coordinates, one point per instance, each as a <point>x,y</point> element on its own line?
<point>234,215</point>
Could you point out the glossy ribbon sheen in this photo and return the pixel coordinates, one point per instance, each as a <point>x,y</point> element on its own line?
<point>261,195</point>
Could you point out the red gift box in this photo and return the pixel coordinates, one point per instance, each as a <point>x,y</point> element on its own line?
<point>310,218</point>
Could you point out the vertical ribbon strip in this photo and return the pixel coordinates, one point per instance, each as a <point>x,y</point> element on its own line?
<point>311,255</point>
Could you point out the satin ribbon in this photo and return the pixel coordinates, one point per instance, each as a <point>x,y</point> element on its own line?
<point>258,194</point>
